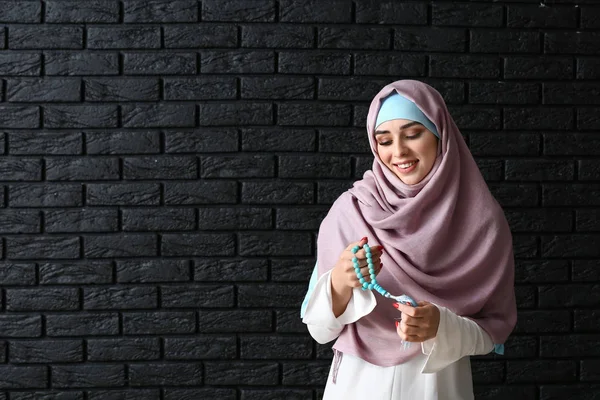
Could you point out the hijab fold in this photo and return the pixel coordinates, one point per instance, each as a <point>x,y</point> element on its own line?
<point>446,238</point>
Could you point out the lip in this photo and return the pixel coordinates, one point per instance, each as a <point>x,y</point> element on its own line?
<point>407,170</point>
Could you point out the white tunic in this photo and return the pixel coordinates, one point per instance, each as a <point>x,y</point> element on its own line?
<point>441,372</point>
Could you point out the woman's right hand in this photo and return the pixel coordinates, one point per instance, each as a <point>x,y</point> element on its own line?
<point>343,275</point>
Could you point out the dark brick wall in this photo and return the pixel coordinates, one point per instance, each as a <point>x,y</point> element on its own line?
<point>165,166</point>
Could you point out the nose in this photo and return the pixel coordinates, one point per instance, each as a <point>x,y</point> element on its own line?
<point>400,148</point>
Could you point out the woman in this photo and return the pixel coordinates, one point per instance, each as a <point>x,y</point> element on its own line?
<point>437,235</point>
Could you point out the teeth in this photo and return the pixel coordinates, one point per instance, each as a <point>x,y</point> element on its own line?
<point>406,165</point>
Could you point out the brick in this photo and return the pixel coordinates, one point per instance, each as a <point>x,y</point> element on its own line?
<point>589,370</point>
<point>18,274</point>
<point>541,271</point>
<point>587,68</point>
<point>505,392</point>
<point>288,322</point>
<point>284,295</point>
<point>162,167</point>
<point>159,322</point>
<point>276,394</point>
<point>270,244</point>
<point>550,118</point>
<point>355,89</point>
<point>69,376</point>
<point>430,39</point>
<point>570,246</point>
<point>586,321</point>
<point>343,141</point>
<point>237,166</point>
<point>525,246</point>
<point>534,16</point>
<point>20,326</point>
<point>539,170</point>
<point>200,36</point>
<point>353,38</point>
<point>159,63</point>
<point>217,140</point>
<point>537,67</point>
<point>540,371</point>
<point>188,296</point>
<point>589,17</point>
<point>235,270</point>
<point>120,245</point>
<point>571,93</point>
<point>328,192</point>
<point>20,64</point>
<point>314,166</point>
<point>45,143</point>
<point>487,372</point>
<point>571,194</point>
<point>214,88</point>
<point>469,117</point>
<point>536,321</point>
<point>277,88</point>
<point>159,115</point>
<point>198,244</point>
<point>587,118</point>
<point>241,373</point>
<point>82,324</point>
<point>20,169</point>
<point>587,220</point>
<point>113,89</point>
<point>314,63</point>
<point>234,321</point>
<point>122,142</point>
<point>88,272</point>
<point>277,36</point>
<point>576,295</point>
<point>191,394</point>
<point>143,37</point>
<point>547,220</point>
<point>201,192</point>
<point>237,62</point>
<point>129,394</point>
<point>234,218</point>
<point>504,93</point>
<point>467,15</point>
<point>314,11</point>
<point>19,117</point>
<point>158,219</point>
<point>504,42</point>
<point>588,170</point>
<point>214,114</point>
<point>296,270</point>
<point>501,144</point>
<point>124,194</point>
<point>21,12</point>
<point>45,195</point>
<point>80,63</point>
<point>275,347</point>
<point>300,218</point>
<point>46,351</point>
<point>49,247</point>
<point>157,11</point>
<point>573,346</point>
<point>123,349</point>
<point>525,297</point>
<point>119,298</point>
<point>390,12</point>
<point>82,168</point>
<point>94,11</point>
<point>572,42</point>
<point>390,64</point>
<point>21,377</point>
<point>277,192</point>
<point>239,10</point>
<point>585,270</point>
<point>45,37</point>
<point>81,116</point>
<point>446,66</point>
<point>314,114</point>
<point>147,271</point>
<point>200,348</point>
<point>51,299</point>
<point>306,373</point>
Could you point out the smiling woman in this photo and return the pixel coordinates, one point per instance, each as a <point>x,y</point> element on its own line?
<point>425,212</point>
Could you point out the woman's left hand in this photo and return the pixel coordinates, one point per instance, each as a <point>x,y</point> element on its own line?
<point>419,323</point>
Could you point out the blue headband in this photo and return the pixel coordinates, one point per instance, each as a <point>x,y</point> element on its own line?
<point>396,106</point>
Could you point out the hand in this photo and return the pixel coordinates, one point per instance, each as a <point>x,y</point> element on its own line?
<point>343,275</point>
<point>419,323</point>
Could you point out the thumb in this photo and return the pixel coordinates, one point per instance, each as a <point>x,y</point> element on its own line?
<point>360,243</point>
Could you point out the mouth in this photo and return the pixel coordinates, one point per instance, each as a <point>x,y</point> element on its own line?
<point>406,168</point>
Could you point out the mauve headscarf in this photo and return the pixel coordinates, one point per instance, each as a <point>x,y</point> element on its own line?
<point>446,238</point>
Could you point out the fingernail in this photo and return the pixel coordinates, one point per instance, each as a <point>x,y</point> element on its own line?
<point>365,238</point>
<point>397,324</point>
<point>396,305</point>
<point>381,265</point>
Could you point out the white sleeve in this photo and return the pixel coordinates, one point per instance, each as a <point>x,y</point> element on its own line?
<point>318,315</point>
<point>456,338</point>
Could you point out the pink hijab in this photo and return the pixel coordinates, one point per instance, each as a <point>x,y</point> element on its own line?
<point>446,239</point>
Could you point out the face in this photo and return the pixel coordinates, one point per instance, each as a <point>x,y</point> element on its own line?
<point>407,148</point>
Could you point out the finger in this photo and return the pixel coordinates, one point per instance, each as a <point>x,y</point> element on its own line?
<point>405,309</point>
<point>360,243</point>
<point>410,321</point>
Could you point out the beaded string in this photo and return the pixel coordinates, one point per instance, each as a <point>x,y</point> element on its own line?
<point>373,284</point>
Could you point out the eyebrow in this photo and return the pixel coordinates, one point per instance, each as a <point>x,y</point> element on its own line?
<point>402,127</point>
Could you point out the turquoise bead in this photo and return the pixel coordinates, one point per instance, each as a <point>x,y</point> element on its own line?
<point>365,285</point>
<point>370,286</point>
<point>355,249</point>
<point>361,280</point>
<point>373,277</point>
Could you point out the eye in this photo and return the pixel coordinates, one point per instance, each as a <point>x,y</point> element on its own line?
<point>415,136</point>
<point>385,143</point>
